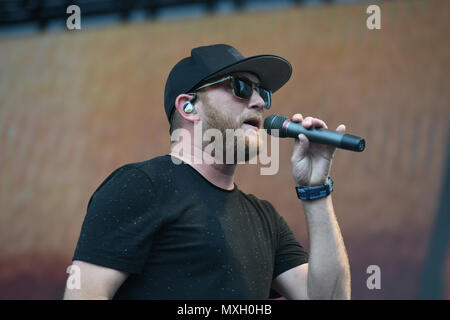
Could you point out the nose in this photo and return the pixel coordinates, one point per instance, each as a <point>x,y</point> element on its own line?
<point>256,102</point>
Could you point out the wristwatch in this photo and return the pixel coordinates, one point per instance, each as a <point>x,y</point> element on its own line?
<point>316,192</point>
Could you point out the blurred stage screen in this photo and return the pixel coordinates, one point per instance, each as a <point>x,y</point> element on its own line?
<point>76,104</point>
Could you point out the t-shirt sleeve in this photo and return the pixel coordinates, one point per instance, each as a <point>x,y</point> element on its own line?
<point>289,252</point>
<point>120,222</point>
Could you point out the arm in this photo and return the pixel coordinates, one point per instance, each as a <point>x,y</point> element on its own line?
<point>97,282</point>
<point>327,274</point>
<point>329,271</point>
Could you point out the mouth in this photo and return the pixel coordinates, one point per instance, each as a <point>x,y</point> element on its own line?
<point>253,122</point>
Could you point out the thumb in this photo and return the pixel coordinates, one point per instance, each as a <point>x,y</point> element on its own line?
<point>341,128</point>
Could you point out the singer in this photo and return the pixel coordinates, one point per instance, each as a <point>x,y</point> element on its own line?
<point>165,229</point>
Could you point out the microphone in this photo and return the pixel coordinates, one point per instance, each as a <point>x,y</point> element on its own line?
<point>286,128</point>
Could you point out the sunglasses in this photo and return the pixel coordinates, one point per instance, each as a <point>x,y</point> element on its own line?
<point>243,89</point>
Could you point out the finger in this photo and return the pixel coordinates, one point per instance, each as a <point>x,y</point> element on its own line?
<point>307,122</point>
<point>317,123</point>
<point>297,117</point>
<point>341,128</point>
<point>301,147</point>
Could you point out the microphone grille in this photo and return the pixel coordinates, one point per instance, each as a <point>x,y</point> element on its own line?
<point>274,121</point>
<point>361,145</point>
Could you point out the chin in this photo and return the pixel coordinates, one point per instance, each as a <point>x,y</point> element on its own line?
<point>253,145</point>
<point>243,147</point>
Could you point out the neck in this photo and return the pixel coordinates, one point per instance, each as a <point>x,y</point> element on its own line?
<point>220,175</point>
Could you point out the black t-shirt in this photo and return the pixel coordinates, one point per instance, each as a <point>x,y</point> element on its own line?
<point>181,237</point>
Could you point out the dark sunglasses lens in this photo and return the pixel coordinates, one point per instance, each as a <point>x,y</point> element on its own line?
<point>266,95</point>
<point>242,89</point>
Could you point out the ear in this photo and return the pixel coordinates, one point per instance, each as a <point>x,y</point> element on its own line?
<point>180,101</point>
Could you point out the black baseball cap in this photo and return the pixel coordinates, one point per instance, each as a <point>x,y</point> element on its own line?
<point>219,60</point>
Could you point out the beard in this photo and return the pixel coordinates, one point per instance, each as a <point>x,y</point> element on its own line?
<point>238,144</point>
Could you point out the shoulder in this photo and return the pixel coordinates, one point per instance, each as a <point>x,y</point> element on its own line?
<point>134,178</point>
<point>268,209</point>
<point>260,203</point>
<point>159,170</point>
<point>152,166</point>
<point>144,170</point>
<point>264,207</point>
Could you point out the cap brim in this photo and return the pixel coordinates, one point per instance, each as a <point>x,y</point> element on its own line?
<point>273,71</point>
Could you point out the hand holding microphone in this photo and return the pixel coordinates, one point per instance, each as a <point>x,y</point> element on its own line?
<point>311,161</point>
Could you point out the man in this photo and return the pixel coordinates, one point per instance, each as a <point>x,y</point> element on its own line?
<point>177,227</point>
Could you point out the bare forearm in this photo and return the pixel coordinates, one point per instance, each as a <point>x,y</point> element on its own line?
<point>329,271</point>
<point>93,282</point>
<point>70,295</point>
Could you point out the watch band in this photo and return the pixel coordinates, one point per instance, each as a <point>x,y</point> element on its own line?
<point>316,192</point>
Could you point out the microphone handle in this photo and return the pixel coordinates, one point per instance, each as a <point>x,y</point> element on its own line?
<point>325,136</point>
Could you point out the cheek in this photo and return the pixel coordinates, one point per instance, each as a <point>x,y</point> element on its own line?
<point>226,109</point>
<point>218,119</point>
<point>229,114</point>
<point>234,114</point>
